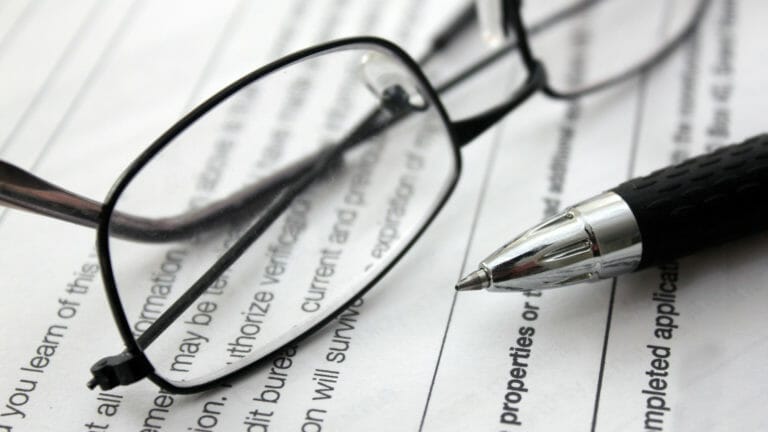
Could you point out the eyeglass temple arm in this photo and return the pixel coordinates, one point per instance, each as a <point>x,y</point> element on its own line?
<point>452,30</point>
<point>468,129</point>
<point>534,29</point>
<point>23,190</point>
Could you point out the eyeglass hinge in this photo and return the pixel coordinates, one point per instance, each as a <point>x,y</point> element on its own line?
<point>122,369</point>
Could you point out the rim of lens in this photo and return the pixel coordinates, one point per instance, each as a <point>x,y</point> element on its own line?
<point>103,232</point>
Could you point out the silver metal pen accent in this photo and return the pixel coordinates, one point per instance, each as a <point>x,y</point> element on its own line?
<point>596,239</point>
<point>699,203</point>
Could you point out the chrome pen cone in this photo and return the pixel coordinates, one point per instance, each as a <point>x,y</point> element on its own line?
<point>476,280</point>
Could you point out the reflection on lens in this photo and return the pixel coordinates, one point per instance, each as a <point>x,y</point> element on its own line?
<point>360,168</point>
<point>608,38</point>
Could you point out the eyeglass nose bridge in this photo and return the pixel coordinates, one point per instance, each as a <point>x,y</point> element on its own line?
<point>391,83</point>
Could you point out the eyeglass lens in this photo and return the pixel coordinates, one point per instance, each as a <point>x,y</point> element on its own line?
<point>634,32</point>
<point>341,231</point>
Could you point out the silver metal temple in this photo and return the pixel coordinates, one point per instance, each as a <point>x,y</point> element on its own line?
<point>23,190</point>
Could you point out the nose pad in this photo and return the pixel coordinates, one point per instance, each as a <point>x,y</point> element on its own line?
<point>391,83</point>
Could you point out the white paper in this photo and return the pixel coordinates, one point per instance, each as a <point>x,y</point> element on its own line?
<point>88,85</point>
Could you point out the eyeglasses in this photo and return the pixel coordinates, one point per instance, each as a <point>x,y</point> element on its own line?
<point>276,204</point>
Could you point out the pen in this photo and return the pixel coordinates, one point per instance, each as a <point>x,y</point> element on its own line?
<point>676,211</point>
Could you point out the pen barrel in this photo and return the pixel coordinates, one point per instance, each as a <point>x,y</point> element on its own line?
<point>701,202</point>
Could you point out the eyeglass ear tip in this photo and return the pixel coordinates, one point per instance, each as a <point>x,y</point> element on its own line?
<point>92,383</point>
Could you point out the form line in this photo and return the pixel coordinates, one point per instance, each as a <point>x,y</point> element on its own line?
<point>17,24</point>
<point>71,46</point>
<point>473,230</point>
<point>104,55</point>
<point>638,121</point>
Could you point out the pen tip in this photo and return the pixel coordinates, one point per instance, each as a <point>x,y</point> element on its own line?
<point>476,280</point>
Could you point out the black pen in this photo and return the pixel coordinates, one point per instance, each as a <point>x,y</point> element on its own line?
<point>676,211</point>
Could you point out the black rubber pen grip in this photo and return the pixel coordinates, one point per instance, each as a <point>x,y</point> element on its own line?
<point>702,202</point>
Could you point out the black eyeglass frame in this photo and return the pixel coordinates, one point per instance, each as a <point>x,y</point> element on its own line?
<point>133,365</point>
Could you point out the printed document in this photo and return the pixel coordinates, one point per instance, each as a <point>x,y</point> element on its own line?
<point>88,85</point>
